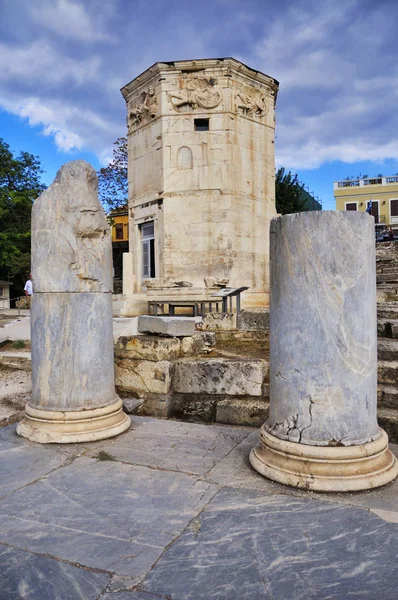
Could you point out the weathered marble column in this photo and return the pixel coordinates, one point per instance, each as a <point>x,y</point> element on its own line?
<point>322,432</point>
<point>73,396</point>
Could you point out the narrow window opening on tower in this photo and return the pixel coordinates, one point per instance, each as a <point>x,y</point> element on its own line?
<point>201,124</point>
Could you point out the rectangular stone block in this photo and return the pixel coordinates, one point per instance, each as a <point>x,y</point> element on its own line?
<point>147,347</point>
<point>169,326</point>
<point>220,376</point>
<point>200,343</point>
<point>220,321</point>
<point>156,405</point>
<point>254,320</point>
<point>194,407</point>
<point>242,411</point>
<point>387,396</point>
<point>140,376</point>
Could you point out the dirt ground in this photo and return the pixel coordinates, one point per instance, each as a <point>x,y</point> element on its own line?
<point>15,346</point>
<point>15,391</point>
<point>4,319</point>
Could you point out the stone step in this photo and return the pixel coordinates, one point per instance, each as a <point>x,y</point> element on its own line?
<point>387,328</point>
<point>388,420</point>
<point>387,372</point>
<point>386,277</point>
<point>387,396</point>
<point>386,269</point>
<point>387,293</point>
<point>387,310</point>
<point>387,349</point>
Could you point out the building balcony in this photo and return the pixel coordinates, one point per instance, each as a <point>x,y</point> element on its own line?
<point>348,183</point>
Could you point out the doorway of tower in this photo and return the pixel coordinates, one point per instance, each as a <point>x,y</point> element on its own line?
<point>148,249</point>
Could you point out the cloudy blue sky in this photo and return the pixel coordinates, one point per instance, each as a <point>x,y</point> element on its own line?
<point>63,63</point>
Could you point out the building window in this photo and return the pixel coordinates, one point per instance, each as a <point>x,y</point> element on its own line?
<point>148,250</point>
<point>1,292</point>
<point>201,124</point>
<point>374,211</point>
<point>394,208</point>
<point>351,206</point>
<point>119,231</point>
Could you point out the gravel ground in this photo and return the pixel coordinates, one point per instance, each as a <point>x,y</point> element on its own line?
<point>15,391</point>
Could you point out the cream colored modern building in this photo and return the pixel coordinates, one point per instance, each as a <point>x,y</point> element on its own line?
<point>201,177</point>
<point>355,194</point>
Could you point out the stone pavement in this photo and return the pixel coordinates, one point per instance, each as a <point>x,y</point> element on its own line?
<point>173,511</point>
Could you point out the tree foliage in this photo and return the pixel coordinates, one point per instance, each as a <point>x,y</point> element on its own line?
<point>20,185</point>
<point>287,193</point>
<point>112,180</point>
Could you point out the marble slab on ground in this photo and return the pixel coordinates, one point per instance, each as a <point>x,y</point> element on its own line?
<point>34,577</point>
<point>246,544</point>
<point>174,510</point>
<point>103,515</point>
<point>22,464</point>
<point>176,446</point>
<point>9,434</point>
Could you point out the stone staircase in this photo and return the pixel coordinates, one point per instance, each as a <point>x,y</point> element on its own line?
<point>387,331</point>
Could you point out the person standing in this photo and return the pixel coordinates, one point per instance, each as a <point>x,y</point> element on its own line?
<point>28,289</point>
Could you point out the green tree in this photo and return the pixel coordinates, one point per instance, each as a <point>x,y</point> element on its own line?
<point>112,180</point>
<point>20,185</point>
<point>287,193</point>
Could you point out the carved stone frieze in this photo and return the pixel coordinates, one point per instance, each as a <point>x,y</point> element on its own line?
<point>196,92</point>
<point>251,102</point>
<point>143,110</point>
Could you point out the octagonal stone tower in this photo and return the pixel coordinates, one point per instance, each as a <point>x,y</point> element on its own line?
<point>201,176</point>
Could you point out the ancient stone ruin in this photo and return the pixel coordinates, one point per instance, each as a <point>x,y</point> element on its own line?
<point>201,180</point>
<point>322,431</point>
<point>73,397</point>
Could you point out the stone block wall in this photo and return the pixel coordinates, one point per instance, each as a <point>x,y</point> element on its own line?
<point>176,377</point>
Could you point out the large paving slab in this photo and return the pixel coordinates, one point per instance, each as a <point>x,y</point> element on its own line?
<point>21,464</point>
<point>103,515</point>
<point>235,471</point>
<point>176,446</point>
<point>34,577</point>
<point>173,510</point>
<point>246,544</point>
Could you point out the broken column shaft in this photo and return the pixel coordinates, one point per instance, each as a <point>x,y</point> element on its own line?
<point>322,431</point>
<point>73,396</point>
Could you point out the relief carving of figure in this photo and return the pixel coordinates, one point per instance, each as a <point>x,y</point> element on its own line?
<point>199,92</point>
<point>146,108</point>
<point>253,104</point>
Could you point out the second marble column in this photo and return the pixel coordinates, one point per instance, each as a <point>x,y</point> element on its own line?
<point>322,431</point>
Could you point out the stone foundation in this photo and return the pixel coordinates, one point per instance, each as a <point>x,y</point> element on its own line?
<point>180,378</point>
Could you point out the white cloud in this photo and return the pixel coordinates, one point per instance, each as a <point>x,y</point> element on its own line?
<point>67,19</point>
<point>63,122</point>
<point>65,60</point>
<point>40,63</point>
<point>337,83</point>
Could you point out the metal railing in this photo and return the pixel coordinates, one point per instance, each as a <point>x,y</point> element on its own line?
<point>366,181</point>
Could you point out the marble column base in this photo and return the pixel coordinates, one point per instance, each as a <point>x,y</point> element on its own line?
<point>324,468</point>
<point>47,427</point>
